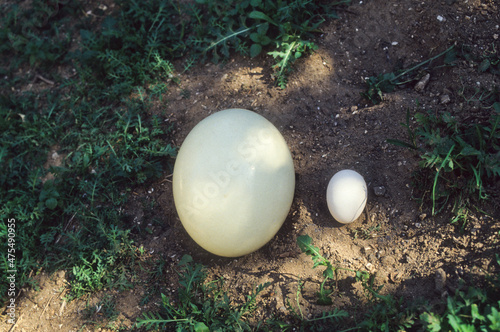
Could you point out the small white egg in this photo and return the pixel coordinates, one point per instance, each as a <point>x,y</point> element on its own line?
<point>346,196</point>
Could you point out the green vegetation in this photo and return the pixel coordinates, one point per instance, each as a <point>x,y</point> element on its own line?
<point>205,306</point>
<point>135,45</point>
<point>251,26</point>
<point>366,232</point>
<point>473,310</point>
<point>201,306</point>
<point>94,114</point>
<point>37,35</point>
<point>460,155</point>
<point>103,314</point>
<point>386,312</point>
<point>477,309</point>
<point>458,159</point>
<point>74,217</point>
<point>132,50</point>
<point>488,60</point>
<point>69,215</point>
<point>330,273</point>
<point>384,83</point>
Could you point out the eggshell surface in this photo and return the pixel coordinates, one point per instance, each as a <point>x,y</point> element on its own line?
<point>233,182</point>
<point>346,196</point>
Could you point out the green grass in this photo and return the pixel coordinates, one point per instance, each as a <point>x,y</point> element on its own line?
<point>330,273</point>
<point>250,27</point>
<point>386,312</point>
<point>205,306</point>
<point>135,45</point>
<point>458,159</point>
<point>36,34</point>
<point>98,118</point>
<point>473,309</point>
<point>107,151</point>
<point>103,315</point>
<point>200,305</point>
<point>386,83</point>
<point>470,311</point>
<point>459,153</point>
<point>110,142</point>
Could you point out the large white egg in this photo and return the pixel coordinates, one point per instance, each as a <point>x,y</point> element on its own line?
<point>346,196</point>
<point>233,182</point>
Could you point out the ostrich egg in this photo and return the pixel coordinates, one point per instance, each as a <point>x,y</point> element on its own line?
<point>346,196</point>
<point>233,182</point>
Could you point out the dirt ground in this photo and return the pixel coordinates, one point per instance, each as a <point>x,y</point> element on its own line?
<point>328,126</point>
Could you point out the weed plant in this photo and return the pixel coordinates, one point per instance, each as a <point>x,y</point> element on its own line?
<point>330,273</point>
<point>327,320</point>
<point>487,60</point>
<point>200,306</point>
<point>458,159</point>
<point>466,311</point>
<point>103,314</point>
<point>36,34</point>
<point>386,312</point>
<point>75,217</point>
<point>134,46</point>
<point>204,306</point>
<point>384,83</point>
<point>249,27</point>
<point>70,216</point>
<point>476,309</point>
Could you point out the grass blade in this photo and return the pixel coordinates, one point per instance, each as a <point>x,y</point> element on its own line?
<point>224,39</point>
<point>434,185</point>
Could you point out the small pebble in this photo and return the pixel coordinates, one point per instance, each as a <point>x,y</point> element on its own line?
<point>445,99</point>
<point>440,279</point>
<point>379,191</point>
<point>420,86</point>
